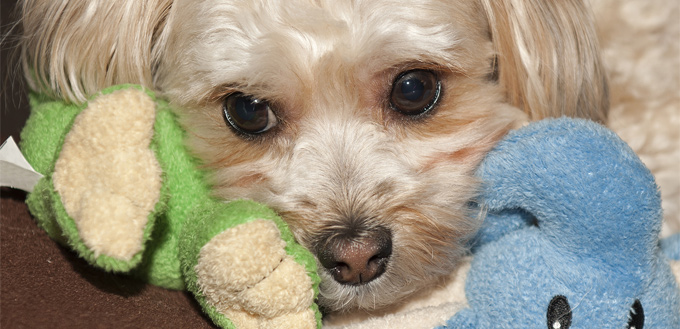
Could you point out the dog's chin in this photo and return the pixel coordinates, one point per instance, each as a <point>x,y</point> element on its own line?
<point>387,290</point>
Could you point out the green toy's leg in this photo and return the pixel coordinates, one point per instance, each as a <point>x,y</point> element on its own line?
<point>106,181</point>
<point>243,275</point>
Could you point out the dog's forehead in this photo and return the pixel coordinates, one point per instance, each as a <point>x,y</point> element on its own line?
<point>269,46</point>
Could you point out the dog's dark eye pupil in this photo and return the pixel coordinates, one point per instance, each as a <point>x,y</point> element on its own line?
<point>247,114</point>
<point>415,92</point>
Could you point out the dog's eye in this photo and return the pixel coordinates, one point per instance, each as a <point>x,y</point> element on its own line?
<point>247,114</point>
<point>415,92</point>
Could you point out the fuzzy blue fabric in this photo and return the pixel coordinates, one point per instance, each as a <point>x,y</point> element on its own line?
<point>571,236</point>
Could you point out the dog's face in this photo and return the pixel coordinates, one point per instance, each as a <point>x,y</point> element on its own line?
<point>360,122</point>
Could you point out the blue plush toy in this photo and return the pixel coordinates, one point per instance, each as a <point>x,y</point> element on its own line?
<point>571,236</point>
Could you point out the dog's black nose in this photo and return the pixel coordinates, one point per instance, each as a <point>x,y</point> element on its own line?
<point>356,260</point>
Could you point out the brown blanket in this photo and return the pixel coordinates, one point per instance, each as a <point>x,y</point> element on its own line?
<point>47,286</point>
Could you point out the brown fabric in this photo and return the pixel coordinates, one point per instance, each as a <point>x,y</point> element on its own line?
<point>44,285</point>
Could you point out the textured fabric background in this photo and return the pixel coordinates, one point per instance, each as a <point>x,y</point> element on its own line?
<point>44,285</point>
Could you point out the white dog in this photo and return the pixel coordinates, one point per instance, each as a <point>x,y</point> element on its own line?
<point>360,122</point>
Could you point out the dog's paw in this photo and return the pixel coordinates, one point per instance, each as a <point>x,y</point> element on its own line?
<point>107,176</point>
<point>245,273</point>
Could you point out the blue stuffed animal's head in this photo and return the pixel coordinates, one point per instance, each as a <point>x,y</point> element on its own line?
<point>571,236</point>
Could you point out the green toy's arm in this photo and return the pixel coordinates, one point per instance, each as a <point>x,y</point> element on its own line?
<point>274,277</point>
<point>117,177</point>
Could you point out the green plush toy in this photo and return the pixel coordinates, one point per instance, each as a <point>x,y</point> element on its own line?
<point>121,190</point>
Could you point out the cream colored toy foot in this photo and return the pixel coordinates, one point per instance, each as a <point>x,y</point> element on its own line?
<point>107,176</point>
<point>245,273</point>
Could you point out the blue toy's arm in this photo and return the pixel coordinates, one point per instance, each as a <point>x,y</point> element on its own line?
<point>498,224</point>
<point>577,178</point>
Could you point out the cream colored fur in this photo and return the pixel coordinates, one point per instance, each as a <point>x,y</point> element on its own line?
<point>549,63</point>
<point>109,183</point>
<point>73,49</point>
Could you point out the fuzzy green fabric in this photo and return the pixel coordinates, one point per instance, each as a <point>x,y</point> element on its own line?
<point>185,218</point>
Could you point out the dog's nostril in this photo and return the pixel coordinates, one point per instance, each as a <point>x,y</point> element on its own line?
<point>357,261</point>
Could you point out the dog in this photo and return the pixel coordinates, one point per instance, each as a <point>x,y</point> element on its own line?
<point>360,122</point>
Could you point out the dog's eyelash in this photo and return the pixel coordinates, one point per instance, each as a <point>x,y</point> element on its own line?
<point>221,93</point>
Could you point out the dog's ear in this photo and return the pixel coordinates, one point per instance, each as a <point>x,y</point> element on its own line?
<point>547,57</point>
<point>72,49</point>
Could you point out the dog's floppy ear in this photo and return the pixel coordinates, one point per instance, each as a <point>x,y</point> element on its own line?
<point>547,57</point>
<point>72,49</point>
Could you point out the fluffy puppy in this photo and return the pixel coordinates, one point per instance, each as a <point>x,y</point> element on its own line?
<point>360,122</point>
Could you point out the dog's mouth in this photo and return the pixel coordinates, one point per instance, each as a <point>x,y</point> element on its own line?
<point>353,258</point>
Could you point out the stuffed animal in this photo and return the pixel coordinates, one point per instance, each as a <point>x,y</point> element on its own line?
<point>121,190</point>
<point>570,239</point>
